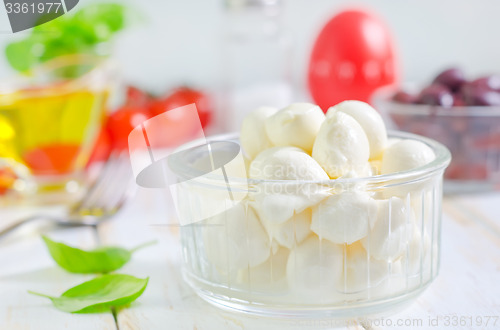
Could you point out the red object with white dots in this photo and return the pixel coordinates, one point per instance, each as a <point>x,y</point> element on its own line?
<point>353,56</point>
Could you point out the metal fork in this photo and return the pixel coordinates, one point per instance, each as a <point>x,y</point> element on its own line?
<point>103,198</point>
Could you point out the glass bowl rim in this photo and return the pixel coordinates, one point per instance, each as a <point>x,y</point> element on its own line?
<point>383,101</point>
<point>443,158</point>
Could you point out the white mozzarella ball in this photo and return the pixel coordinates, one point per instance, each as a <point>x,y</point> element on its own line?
<point>296,125</point>
<point>236,239</point>
<point>253,136</point>
<point>278,201</point>
<point>360,271</point>
<point>369,119</point>
<point>341,145</point>
<point>314,269</point>
<point>286,163</point>
<point>268,276</point>
<point>406,155</point>
<point>344,218</point>
<point>417,258</point>
<point>392,230</point>
<point>291,232</point>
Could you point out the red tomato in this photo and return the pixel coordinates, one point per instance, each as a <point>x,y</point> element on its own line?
<point>352,57</point>
<point>137,97</point>
<point>170,130</point>
<point>184,96</point>
<point>121,122</point>
<point>102,147</point>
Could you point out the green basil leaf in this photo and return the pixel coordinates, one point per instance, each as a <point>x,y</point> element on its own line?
<point>99,294</point>
<point>78,32</point>
<point>110,15</point>
<point>20,55</point>
<point>100,260</point>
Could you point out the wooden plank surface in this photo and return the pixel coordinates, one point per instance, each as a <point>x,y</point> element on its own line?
<point>466,287</point>
<point>27,265</point>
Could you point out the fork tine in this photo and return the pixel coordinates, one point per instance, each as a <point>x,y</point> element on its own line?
<point>120,199</point>
<point>100,188</point>
<point>95,184</point>
<point>116,187</point>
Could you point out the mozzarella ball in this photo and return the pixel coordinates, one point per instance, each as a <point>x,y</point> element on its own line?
<point>291,232</point>
<point>286,163</point>
<point>360,272</point>
<point>314,269</point>
<point>369,119</point>
<point>392,230</point>
<point>341,145</point>
<point>344,218</point>
<point>268,276</point>
<point>253,136</point>
<point>236,239</point>
<point>406,155</point>
<point>278,201</point>
<point>296,125</point>
<point>417,258</point>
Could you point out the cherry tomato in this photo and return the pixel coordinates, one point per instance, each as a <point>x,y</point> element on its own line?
<point>121,122</point>
<point>352,57</point>
<point>184,96</point>
<point>137,97</point>
<point>102,147</point>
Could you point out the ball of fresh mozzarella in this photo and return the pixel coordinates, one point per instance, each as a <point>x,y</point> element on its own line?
<point>277,201</point>
<point>392,230</point>
<point>286,163</point>
<point>360,271</point>
<point>236,239</point>
<point>291,232</point>
<point>253,136</point>
<point>341,145</point>
<point>418,257</point>
<point>314,269</point>
<point>369,119</point>
<point>269,275</point>
<point>344,218</point>
<point>296,125</point>
<point>406,155</point>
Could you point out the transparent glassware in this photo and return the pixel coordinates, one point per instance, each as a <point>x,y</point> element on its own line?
<point>50,119</point>
<point>472,133</point>
<point>314,263</point>
<point>257,56</point>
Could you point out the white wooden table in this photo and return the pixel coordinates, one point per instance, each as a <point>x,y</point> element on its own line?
<point>467,288</point>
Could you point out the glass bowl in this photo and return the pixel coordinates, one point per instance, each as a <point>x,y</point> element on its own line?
<point>352,247</point>
<point>472,133</point>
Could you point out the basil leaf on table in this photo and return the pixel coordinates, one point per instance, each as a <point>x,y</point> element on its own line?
<point>100,260</point>
<point>99,294</point>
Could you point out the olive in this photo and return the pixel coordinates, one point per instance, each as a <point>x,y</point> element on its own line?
<point>436,94</point>
<point>489,82</point>
<point>477,94</point>
<point>452,78</point>
<point>458,100</point>
<point>404,97</point>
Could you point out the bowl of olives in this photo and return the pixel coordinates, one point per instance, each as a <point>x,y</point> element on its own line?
<point>463,114</point>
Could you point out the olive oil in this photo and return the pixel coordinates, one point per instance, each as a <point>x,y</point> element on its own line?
<point>50,129</point>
